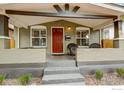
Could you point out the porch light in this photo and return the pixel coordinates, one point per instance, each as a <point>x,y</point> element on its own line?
<point>87,36</point>
<point>69,27</point>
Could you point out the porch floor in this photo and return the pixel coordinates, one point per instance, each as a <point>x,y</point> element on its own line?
<point>62,70</point>
<point>59,57</point>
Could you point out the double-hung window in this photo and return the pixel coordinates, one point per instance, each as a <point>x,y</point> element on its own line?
<point>82,36</point>
<point>38,36</point>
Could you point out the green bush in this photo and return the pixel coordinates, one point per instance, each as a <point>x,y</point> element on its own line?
<point>99,74</point>
<point>2,78</point>
<point>25,79</point>
<point>120,72</point>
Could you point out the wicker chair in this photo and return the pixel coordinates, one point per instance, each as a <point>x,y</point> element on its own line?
<point>71,49</point>
<point>95,45</point>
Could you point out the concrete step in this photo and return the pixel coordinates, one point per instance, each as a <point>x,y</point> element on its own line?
<point>63,81</point>
<point>72,83</point>
<point>60,70</point>
<point>61,64</point>
<point>62,78</point>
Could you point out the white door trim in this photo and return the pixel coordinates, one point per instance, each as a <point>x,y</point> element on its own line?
<point>52,39</point>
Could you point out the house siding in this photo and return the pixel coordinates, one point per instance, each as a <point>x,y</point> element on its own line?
<point>24,34</point>
<point>63,24</point>
<point>94,37</point>
<point>24,37</point>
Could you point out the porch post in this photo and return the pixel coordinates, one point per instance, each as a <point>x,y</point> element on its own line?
<point>4,32</point>
<point>118,41</point>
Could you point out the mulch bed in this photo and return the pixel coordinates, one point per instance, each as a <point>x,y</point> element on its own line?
<point>34,81</point>
<point>108,79</point>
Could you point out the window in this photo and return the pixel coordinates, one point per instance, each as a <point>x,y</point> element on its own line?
<point>122,32</point>
<point>108,32</point>
<point>82,37</point>
<point>39,36</point>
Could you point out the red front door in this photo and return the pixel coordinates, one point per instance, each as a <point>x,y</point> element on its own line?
<point>57,40</point>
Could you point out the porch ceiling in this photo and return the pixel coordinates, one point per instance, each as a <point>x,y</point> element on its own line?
<point>32,20</point>
<point>85,8</point>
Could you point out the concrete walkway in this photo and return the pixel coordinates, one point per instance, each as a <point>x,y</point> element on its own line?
<point>62,71</point>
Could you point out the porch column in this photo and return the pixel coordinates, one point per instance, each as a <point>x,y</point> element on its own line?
<point>4,33</point>
<point>118,41</point>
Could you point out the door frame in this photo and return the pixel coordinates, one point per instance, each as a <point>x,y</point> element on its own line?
<point>52,39</point>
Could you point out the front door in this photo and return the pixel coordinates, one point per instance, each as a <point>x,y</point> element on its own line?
<point>57,40</point>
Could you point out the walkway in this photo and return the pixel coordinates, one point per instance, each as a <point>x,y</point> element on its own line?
<point>62,70</point>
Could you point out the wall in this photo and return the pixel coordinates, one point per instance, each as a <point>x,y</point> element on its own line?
<point>65,24</point>
<point>17,56</point>
<point>24,34</point>
<point>24,37</point>
<point>90,60</point>
<point>98,55</point>
<point>94,37</point>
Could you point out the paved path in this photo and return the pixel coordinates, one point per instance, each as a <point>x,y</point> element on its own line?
<point>62,72</point>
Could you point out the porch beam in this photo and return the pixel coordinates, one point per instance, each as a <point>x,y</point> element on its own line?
<point>66,7</point>
<point>58,9</point>
<point>62,15</point>
<point>76,8</point>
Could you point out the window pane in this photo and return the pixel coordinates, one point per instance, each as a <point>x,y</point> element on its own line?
<point>84,42</point>
<point>35,33</point>
<point>35,41</point>
<point>39,37</point>
<point>78,34</point>
<point>43,42</point>
<point>122,32</point>
<point>84,34</point>
<point>78,41</point>
<point>106,34</point>
<point>43,33</point>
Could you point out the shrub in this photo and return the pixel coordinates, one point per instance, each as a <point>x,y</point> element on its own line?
<point>2,78</point>
<point>99,74</point>
<point>120,72</point>
<point>25,79</point>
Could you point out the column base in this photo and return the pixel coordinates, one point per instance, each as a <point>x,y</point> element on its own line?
<point>4,43</point>
<point>118,43</point>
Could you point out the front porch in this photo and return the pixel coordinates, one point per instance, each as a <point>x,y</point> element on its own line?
<point>82,30</point>
<point>37,42</point>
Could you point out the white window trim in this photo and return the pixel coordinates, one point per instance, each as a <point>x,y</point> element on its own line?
<point>80,30</point>
<point>37,27</point>
<point>5,37</point>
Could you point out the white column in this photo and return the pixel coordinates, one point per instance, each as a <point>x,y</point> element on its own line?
<point>16,37</point>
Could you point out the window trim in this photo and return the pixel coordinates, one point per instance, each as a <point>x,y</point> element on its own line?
<point>81,37</point>
<point>37,27</point>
